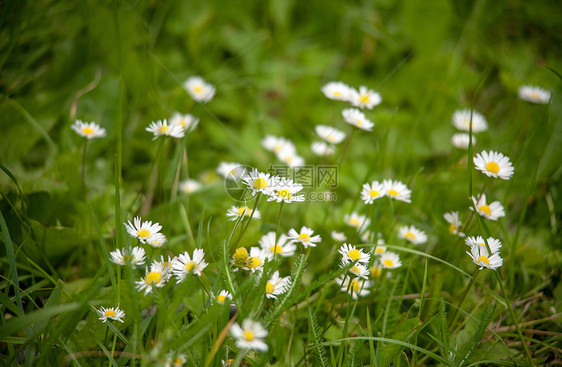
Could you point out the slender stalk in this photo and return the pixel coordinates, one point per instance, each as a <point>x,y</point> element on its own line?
<point>277,229</point>
<point>83,169</point>
<point>258,197</point>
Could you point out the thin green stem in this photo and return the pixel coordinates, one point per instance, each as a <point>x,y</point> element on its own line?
<point>277,229</point>
<point>258,197</point>
<point>83,169</point>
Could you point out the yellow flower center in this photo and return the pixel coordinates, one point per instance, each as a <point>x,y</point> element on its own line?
<point>183,123</point>
<point>481,244</point>
<point>87,131</point>
<point>241,210</point>
<point>240,255</point>
<point>269,288</point>
<point>189,266</point>
<point>466,123</point>
<point>153,277</point>
<point>249,335</point>
<point>260,183</point>
<point>337,94</point>
<point>163,129</point>
<point>178,362</point>
<point>486,209</point>
<point>392,193</point>
<point>410,236</point>
<point>452,228</point>
<point>110,313</point>
<point>353,222</point>
<point>358,122</point>
<point>354,254</point>
<point>254,262</point>
<point>167,264</point>
<point>355,270</point>
<point>331,138</point>
<point>483,259</point>
<point>374,193</point>
<point>492,167</point>
<point>276,249</point>
<point>355,286</point>
<point>221,299</point>
<point>284,193</point>
<point>364,98</point>
<point>198,89</point>
<point>388,263</point>
<point>143,233</point>
<point>303,237</point>
<point>278,148</point>
<point>379,250</point>
<point>289,159</point>
<point>534,95</point>
<point>375,271</point>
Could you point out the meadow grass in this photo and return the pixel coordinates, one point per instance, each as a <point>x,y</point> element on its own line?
<point>207,294</point>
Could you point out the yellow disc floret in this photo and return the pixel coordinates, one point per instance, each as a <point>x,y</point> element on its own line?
<point>269,288</point>
<point>260,183</point>
<point>153,277</point>
<point>486,209</point>
<point>354,254</point>
<point>492,167</point>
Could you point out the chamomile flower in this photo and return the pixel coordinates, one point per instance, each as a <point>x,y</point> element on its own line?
<point>356,118</point>
<point>184,265</point>
<point>250,335</point>
<point>397,190</point>
<point>157,277</point>
<point>337,91</point>
<point>494,164</point>
<point>276,285</point>
<point>136,257</point>
<point>534,94</point>
<point>259,181</point>
<point>339,236</point>
<point>187,122</point>
<point>223,296</point>
<point>321,148</point>
<point>236,212</point>
<point>189,186</point>
<point>461,140</point>
<point>357,288</point>
<point>330,134</point>
<point>372,191</point>
<point>88,130</point>
<point>390,260</point>
<point>478,241</point>
<point>112,313</point>
<point>157,240</point>
<point>355,220</point>
<point>358,270</point>
<point>257,259</point>
<point>142,230</point>
<point>461,120</point>
<point>277,144</point>
<point>364,98</point>
<point>283,247</point>
<point>351,254</point>
<point>161,128</point>
<point>480,256</point>
<point>304,236</point>
<point>199,89</point>
<point>285,190</point>
<point>491,211</point>
<point>240,257</point>
<point>454,223</point>
<point>166,263</point>
<point>412,234</point>
<point>231,170</point>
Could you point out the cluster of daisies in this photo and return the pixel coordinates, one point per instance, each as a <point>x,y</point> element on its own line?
<point>178,126</point>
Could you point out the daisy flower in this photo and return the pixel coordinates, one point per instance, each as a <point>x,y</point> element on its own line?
<point>364,98</point>
<point>157,240</point>
<point>461,120</point>
<point>478,241</point>
<point>337,91</point>
<point>166,263</point>
<point>142,230</point>
<point>480,256</point>
<point>461,140</point>
<point>240,257</point>
<point>412,234</point>
<point>375,271</point>
<point>156,277</point>
<point>357,288</point>
<point>187,122</point>
<point>250,335</point>
<point>223,296</point>
<point>321,148</point>
<point>350,254</point>
<point>339,236</point>
<point>199,89</point>
<point>276,285</point>
<point>397,190</point>
<point>236,212</point>
<point>372,191</point>
<point>390,260</point>
<point>304,236</point>
<point>189,186</point>
<point>161,128</point>
<point>355,220</point>
<point>491,211</point>
<point>454,223</point>
<point>494,164</point>
<point>285,190</point>
<point>136,257</point>
<point>231,170</point>
<point>356,118</point>
<point>359,270</point>
<point>256,259</point>
<point>379,250</point>
<point>175,361</point>
<point>330,134</point>
<point>185,265</point>
<point>534,94</point>
<point>259,181</point>
<point>113,313</point>
<point>290,158</point>
<point>283,247</point>
<point>277,144</point>
<point>88,130</point>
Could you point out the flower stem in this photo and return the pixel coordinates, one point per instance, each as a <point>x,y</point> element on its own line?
<point>249,220</point>
<point>277,229</point>
<point>83,169</point>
